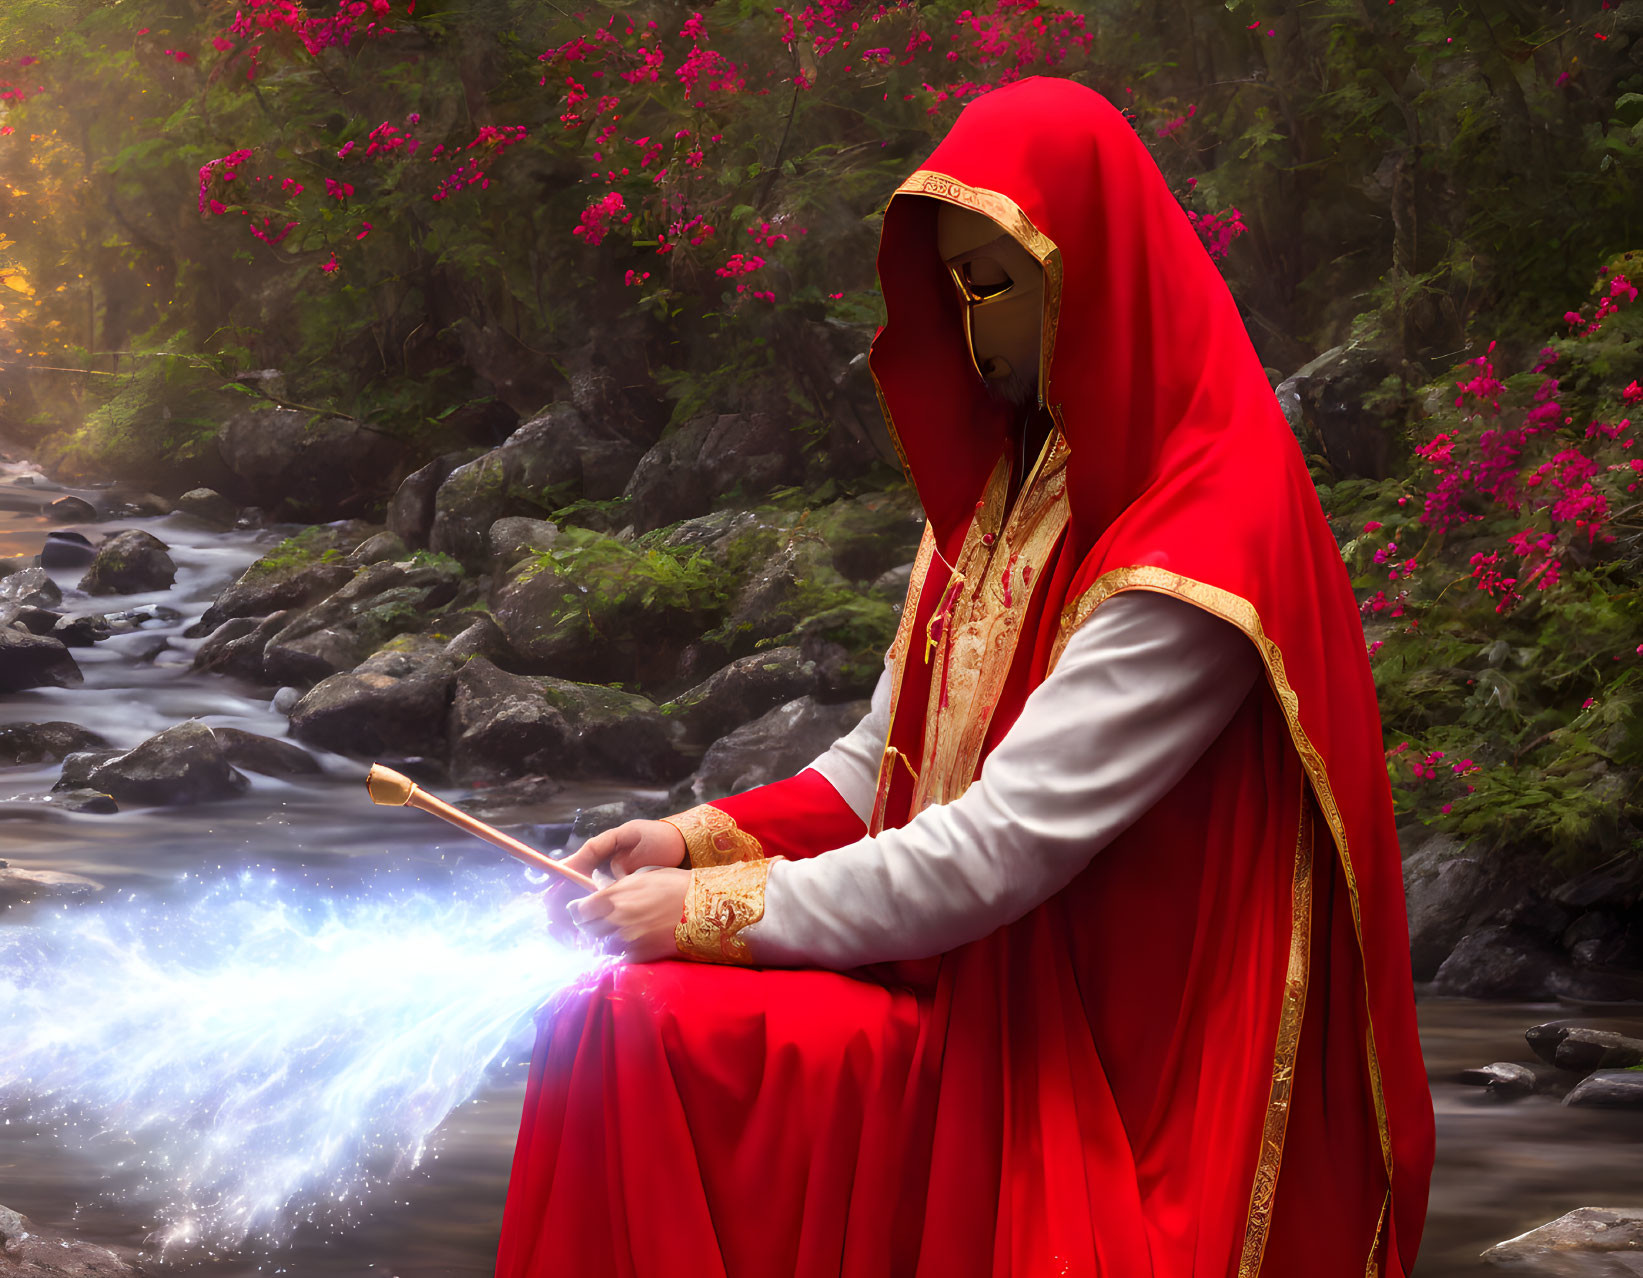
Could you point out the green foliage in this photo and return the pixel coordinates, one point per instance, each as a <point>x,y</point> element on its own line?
<point>311,546</point>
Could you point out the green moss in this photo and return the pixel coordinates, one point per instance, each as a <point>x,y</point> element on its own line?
<point>316,545</point>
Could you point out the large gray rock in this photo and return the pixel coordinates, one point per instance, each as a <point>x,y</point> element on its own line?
<point>505,726</point>
<point>1445,891</point>
<point>236,647</point>
<point>35,661</point>
<point>262,754</point>
<point>1589,1242</point>
<point>181,765</point>
<point>394,704</point>
<point>411,510</point>
<point>299,571</point>
<point>775,745</point>
<point>1502,962</point>
<point>740,693</point>
<point>28,1251</point>
<point>67,550</point>
<point>1585,1049</point>
<point>689,469</point>
<point>31,587</point>
<point>1610,1089</point>
<point>1326,402</point>
<point>312,468</point>
<point>128,562</point>
<point>550,461</point>
<point>44,742</point>
<point>210,505</point>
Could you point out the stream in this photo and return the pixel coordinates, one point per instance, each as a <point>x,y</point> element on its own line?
<point>1502,1168</point>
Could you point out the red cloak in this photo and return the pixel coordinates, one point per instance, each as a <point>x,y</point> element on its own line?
<point>1197,1060</point>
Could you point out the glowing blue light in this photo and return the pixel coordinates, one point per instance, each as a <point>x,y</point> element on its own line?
<point>269,1054</point>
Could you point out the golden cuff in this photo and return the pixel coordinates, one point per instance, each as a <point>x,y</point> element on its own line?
<point>720,902</point>
<point>712,837</point>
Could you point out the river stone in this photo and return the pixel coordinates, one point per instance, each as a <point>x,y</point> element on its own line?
<point>482,637</point>
<point>290,460</point>
<point>37,621</point>
<point>129,562</point>
<point>1502,962</point>
<point>210,505</point>
<point>78,767</point>
<point>411,511</point>
<point>548,462</point>
<point>511,802</point>
<point>1610,1088</point>
<point>687,470</point>
<point>236,647</point>
<point>1581,1244</point>
<point>298,571</point>
<point>67,550</point>
<point>262,754</point>
<point>515,536</point>
<point>505,725</point>
<point>774,746</point>
<point>1583,1049</point>
<point>82,629</point>
<point>1504,1079</point>
<point>740,693</point>
<point>183,764</point>
<point>35,661</point>
<point>32,1252</point>
<point>94,802</point>
<point>44,742</point>
<point>379,547</point>
<point>19,886</point>
<point>394,703</point>
<point>32,587</point>
<point>71,510</point>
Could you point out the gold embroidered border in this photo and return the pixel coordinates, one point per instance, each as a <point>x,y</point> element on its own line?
<point>899,649</point>
<point>712,837</point>
<point>1373,1268</point>
<point>1263,1192</point>
<point>1008,214</point>
<point>979,641</point>
<point>720,901</point>
<point>1241,613</point>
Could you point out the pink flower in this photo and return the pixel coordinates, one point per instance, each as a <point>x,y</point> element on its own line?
<point>1374,525</point>
<point>330,266</point>
<point>365,229</point>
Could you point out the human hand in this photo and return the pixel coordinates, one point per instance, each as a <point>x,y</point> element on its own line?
<point>624,849</point>
<point>636,915</point>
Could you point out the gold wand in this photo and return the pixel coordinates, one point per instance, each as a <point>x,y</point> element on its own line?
<point>395,789</point>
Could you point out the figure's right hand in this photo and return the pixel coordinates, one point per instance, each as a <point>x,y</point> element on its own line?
<point>621,850</point>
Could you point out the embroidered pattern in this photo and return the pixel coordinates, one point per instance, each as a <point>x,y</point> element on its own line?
<point>720,902</point>
<point>712,837</point>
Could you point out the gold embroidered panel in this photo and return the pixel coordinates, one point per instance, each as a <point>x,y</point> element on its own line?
<point>899,656</point>
<point>712,837</point>
<point>720,902</point>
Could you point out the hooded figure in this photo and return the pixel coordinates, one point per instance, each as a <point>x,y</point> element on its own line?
<point>1107,880</point>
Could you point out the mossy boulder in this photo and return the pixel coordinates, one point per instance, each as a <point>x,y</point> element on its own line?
<point>740,693</point>
<point>300,570</point>
<point>128,562</point>
<point>706,459</point>
<point>394,704</point>
<point>778,744</point>
<point>181,765</point>
<point>301,465</point>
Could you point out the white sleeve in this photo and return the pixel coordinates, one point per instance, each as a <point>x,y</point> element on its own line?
<point>851,764</point>
<point>1142,690</point>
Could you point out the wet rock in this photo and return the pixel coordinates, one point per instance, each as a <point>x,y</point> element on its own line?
<point>143,649</point>
<point>1545,1039</point>
<point>740,693</point>
<point>301,570</point>
<point>284,699</point>
<point>515,536</point>
<point>37,621</point>
<point>132,505</point>
<point>210,505</point>
<point>381,601</point>
<point>82,629</point>
<point>1610,1089</point>
<point>78,767</point>
<point>511,802</point>
<point>1584,1049</point>
<point>181,765</point>
<point>393,703</point>
<point>687,470</point>
<point>776,745</point>
<point>71,510</point>
<point>548,462</point>
<point>1501,962</point>
<point>19,886</point>
<point>379,547</point>
<point>94,802</point>
<point>29,1251</point>
<point>31,587</point>
<point>236,647</point>
<point>262,754</point>
<point>1575,1245</point>
<point>129,562</point>
<point>1506,1080</point>
<point>1446,891</point>
<point>67,550</point>
<point>35,661</point>
<point>1325,402</point>
<point>481,638</point>
<point>133,617</point>
<point>44,742</point>
<point>607,816</point>
<point>411,512</point>
<point>288,460</point>
<point>505,725</point>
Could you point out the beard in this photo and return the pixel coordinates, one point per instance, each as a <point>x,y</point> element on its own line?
<point>1012,390</point>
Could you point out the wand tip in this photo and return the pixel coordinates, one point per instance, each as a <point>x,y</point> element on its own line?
<point>388,787</point>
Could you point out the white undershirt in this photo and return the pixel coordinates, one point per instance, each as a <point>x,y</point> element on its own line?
<point>1142,690</point>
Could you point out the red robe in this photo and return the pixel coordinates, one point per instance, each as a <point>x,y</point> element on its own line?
<point>1197,1060</point>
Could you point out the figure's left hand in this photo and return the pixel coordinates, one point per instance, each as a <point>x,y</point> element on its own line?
<point>637,914</point>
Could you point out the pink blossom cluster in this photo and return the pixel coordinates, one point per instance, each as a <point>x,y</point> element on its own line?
<point>315,34</point>
<point>596,218</point>
<point>1179,122</point>
<point>739,264</point>
<point>1217,230</point>
<point>1621,290</point>
<point>224,169</point>
<point>475,171</point>
<point>766,236</point>
<point>635,278</point>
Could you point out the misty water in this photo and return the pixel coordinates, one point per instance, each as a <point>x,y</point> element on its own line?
<point>1502,1167</point>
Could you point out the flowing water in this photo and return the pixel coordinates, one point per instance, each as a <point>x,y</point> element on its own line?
<point>308,869</point>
